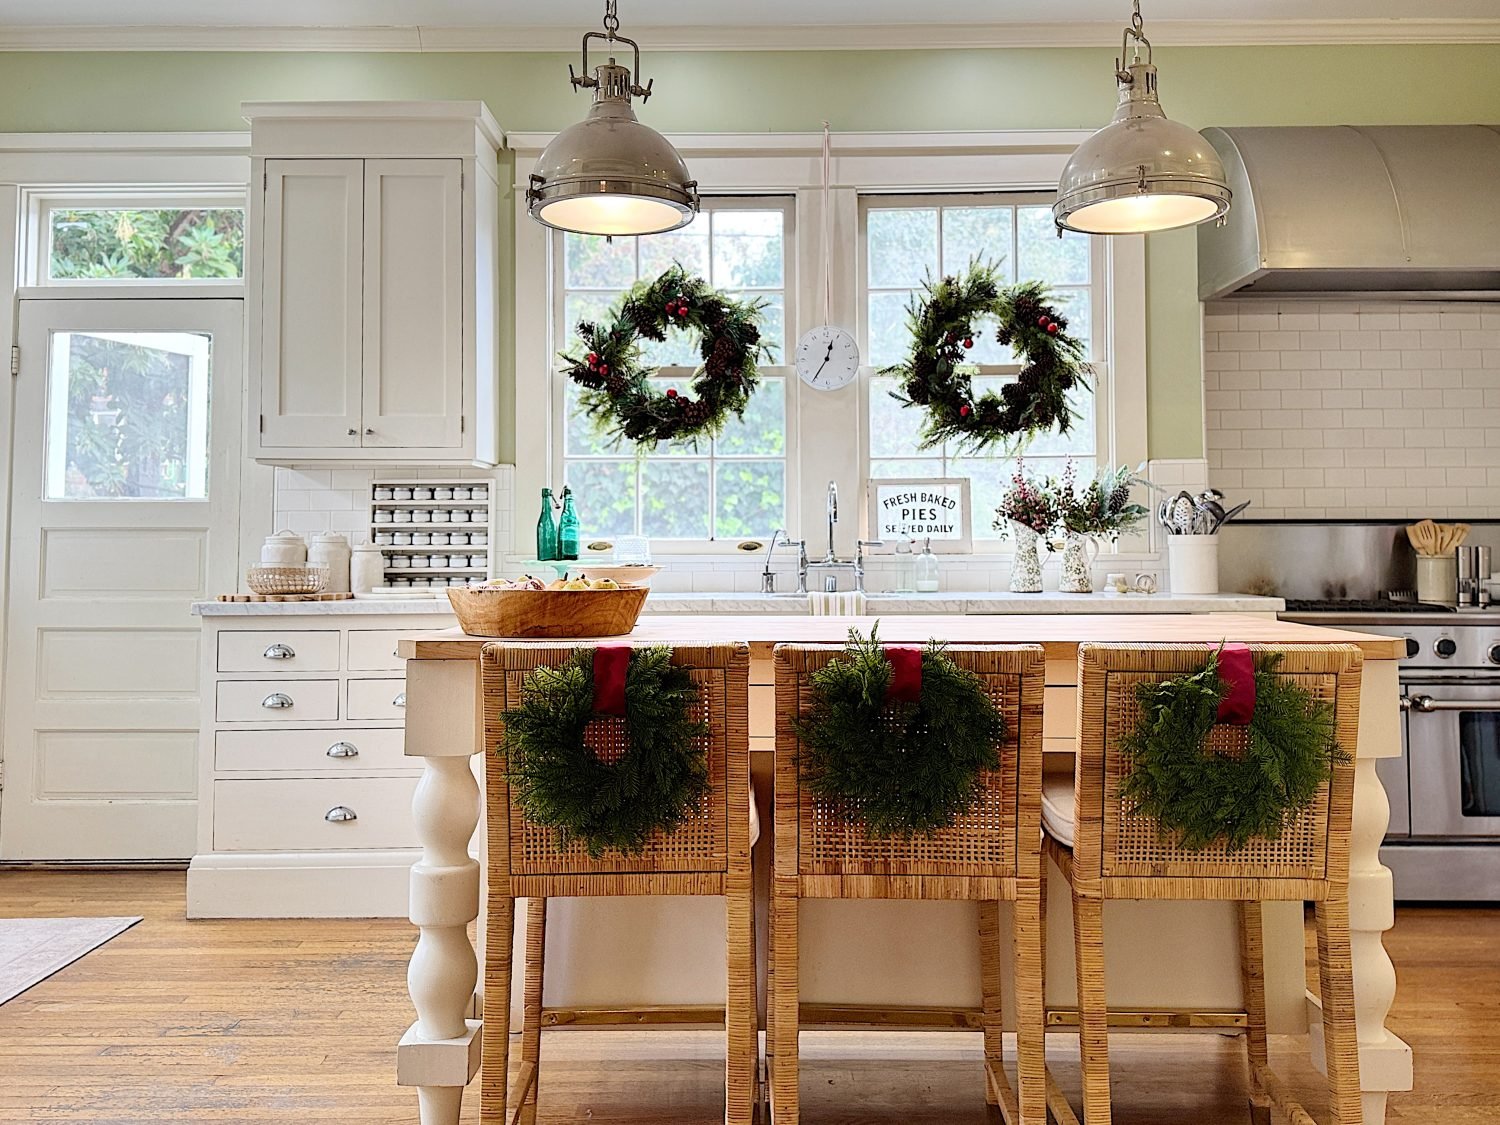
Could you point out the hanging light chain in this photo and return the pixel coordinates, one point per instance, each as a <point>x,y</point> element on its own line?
<point>612,18</point>
<point>1136,31</point>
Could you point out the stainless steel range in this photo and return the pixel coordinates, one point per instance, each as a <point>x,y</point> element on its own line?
<point>1444,837</point>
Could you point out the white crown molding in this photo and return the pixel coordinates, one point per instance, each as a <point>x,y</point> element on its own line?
<point>1196,33</point>
<point>953,143</point>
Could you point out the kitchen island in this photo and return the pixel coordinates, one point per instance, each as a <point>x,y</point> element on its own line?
<point>897,955</point>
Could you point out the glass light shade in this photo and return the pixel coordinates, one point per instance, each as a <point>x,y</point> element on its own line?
<point>610,174</point>
<point>1142,172</point>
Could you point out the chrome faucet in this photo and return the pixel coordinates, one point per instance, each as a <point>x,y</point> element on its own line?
<point>830,562</point>
<point>768,578</point>
<point>833,518</point>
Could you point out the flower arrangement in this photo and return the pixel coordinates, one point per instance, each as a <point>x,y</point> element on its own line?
<point>1028,502</point>
<point>1103,509</point>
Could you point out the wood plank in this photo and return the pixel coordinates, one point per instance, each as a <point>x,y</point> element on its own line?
<point>1059,634</point>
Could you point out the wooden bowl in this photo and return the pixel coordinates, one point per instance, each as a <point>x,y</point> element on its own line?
<point>484,612</point>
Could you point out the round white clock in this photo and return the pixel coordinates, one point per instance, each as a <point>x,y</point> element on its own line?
<point>827,358</point>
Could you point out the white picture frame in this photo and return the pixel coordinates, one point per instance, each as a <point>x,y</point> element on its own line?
<point>921,508</point>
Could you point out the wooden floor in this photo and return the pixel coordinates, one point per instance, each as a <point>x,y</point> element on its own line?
<point>274,1021</point>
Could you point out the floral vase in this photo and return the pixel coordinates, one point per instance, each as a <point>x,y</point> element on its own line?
<point>1077,568</point>
<point>1026,567</point>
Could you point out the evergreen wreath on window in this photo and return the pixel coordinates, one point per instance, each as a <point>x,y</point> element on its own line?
<point>1203,796</point>
<point>618,391</point>
<point>561,783</point>
<point>937,378</point>
<point>898,736</point>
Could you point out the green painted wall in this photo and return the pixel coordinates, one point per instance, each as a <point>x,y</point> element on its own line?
<point>796,91</point>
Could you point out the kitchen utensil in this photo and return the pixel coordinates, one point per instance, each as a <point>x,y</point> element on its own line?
<point>286,579</point>
<point>1183,513</point>
<point>1234,511</point>
<point>491,612</point>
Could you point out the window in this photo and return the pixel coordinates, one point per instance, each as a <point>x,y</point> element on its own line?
<point>128,416</point>
<point>906,240</point>
<point>89,243</point>
<point>734,487</point>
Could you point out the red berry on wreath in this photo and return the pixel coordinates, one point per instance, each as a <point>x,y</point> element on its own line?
<point>963,411</point>
<point>1054,328</point>
<point>682,310</point>
<point>670,306</point>
<point>671,392</point>
<point>1042,321</point>
<point>968,341</point>
<point>604,369</point>
<point>593,358</point>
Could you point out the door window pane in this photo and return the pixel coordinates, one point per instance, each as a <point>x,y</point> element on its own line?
<point>159,244</point>
<point>127,416</point>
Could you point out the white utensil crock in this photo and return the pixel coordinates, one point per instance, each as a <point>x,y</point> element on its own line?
<point>1193,564</point>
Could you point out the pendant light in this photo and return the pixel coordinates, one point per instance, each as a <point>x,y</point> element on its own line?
<point>609,174</point>
<point>1141,172</point>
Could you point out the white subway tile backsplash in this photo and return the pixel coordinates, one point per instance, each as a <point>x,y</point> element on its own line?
<point>1355,409</point>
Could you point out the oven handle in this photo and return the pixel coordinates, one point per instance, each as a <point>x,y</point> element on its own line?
<point>1426,704</point>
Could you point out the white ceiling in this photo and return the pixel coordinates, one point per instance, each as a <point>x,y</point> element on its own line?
<point>705,13</point>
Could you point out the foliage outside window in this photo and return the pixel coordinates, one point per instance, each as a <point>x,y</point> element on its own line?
<point>148,244</point>
<point>908,240</point>
<point>733,487</point>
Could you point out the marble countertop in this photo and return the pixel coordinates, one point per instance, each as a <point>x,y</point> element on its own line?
<point>968,602</point>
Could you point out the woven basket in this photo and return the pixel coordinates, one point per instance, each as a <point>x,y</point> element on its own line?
<point>287,579</point>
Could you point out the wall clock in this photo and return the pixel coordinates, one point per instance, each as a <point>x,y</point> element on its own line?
<point>827,358</point>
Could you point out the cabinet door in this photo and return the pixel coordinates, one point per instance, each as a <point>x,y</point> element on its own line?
<point>413,311</point>
<point>311,298</point>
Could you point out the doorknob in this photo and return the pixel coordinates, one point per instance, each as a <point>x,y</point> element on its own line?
<point>339,814</point>
<point>277,701</point>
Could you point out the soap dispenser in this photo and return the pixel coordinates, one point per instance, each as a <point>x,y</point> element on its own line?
<point>906,567</point>
<point>927,569</point>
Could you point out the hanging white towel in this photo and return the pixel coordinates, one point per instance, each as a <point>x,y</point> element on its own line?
<point>844,603</point>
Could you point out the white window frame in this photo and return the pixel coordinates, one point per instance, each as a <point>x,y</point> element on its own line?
<point>787,206</point>
<point>779,164</point>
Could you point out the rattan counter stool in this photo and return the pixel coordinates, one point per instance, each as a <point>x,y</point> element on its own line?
<point>709,854</point>
<point>991,855</point>
<point>1108,850</point>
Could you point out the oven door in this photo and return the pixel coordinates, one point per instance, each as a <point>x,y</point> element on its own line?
<point>1453,758</point>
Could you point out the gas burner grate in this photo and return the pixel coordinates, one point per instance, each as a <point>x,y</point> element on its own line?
<point>1363,605</point>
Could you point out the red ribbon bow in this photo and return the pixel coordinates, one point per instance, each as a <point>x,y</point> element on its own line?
<point>1237,670</point>
<point>906,673</point>
<point>611,662</point>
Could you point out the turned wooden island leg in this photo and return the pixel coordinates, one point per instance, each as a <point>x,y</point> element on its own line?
<point>1384,1060</point>
<point>439,1054</point>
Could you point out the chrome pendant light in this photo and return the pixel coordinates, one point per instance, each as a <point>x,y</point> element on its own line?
<point>1141,172</point>
<point>609,174</point>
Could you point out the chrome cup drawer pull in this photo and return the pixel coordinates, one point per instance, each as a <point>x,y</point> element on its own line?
<point>276,701</point>
<point>279,651</point>
<point>339,814</point>
<point>400,700</point>
<point>343,750</point>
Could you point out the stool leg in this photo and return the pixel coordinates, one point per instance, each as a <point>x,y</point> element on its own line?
<point>996,1085</point>
<point>529,1081</point>
<point>783,1050</point>
<point>1031,1051</point>
<point>494,1036</point>
<point>1093,1012</point>
<point>740,1036</point>
<point>1336,987</point>
<point>1253,981</point>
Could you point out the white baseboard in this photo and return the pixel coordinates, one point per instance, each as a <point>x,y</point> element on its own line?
<point>300,885</point>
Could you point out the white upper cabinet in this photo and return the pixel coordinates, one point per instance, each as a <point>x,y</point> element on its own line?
<point>372,280</point>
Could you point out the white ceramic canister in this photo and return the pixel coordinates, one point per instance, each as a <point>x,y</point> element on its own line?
<point>421,562</point>
<point>400,562</point>
<point>440,515</point>
<point>422,493</point>
<point>461,492</point>
<point>477,562</point>
<point>401,539</point>
<point>285,548</point>
<point>331,549</point>
<point>458,515</point>
<point>460,538</point>
<point>439,538</point>
<point>383,515</point>
<point>1193,564</point>
<point>366,568</point>
<point>480,538</point>
<point>383,492</point>
<point>400,494</point>
<point>421,515</point>
<point>480,492</point>
<point>443,492</point>
<point>403,515</point>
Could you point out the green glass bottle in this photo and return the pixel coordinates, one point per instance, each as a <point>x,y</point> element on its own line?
<point>546,530</point>
<point>567,528</point>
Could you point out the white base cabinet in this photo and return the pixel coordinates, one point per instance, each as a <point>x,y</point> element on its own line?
<point>304,792</point>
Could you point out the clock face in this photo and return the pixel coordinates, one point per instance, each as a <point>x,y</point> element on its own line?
<point>827,358</point>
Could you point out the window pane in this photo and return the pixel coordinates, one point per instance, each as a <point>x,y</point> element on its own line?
<point>581,435</point>
<point>1044,256</point>
<point>686,246</point>
<point>902,247</point>
<point>594,262</point>
<point>1074,304</point>
<point>750,497</point>
<point>772,322</point>
<point>747,249</point>
<point>583,306</point>
<point>674,499</point>
<point>894,429</point>
<point>155,245</point>
<point>763,429</point>
<point>981,233</point>
<point>889,331</point>
<point>911,467</point>
<point>604,495</point>
<point>128,416</point>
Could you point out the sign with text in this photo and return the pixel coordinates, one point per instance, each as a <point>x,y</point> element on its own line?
<point>936,509</point>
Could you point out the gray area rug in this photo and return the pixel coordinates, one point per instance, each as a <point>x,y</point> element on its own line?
<point>32,949</point>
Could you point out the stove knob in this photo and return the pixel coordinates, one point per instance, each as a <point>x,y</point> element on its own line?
<point>1412,648</point>
<point>1445,647</point>
<point>1495,654</point>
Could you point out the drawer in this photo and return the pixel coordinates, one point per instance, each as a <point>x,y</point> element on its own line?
<point>307,751</point>
<point>374,650</point>
<point>279,650</point>
<point>377,699</point>
<point>253,701</point>
<point>291,815</point>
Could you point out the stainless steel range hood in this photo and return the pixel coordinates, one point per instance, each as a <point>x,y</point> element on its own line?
<point>1398,209</point>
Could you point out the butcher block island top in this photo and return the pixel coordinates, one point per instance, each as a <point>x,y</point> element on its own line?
<point>1059,634</point>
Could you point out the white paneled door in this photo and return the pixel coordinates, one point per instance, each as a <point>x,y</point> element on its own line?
<point>125,504</point>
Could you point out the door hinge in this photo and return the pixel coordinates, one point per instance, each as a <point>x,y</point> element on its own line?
<point>2,776</point>
<point>262,423</point>
<point>265,179</point>
<point>15,359</point>
<point>460,423</point>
